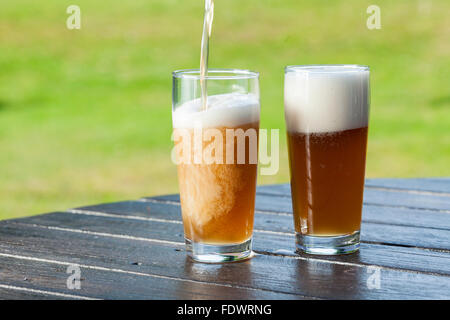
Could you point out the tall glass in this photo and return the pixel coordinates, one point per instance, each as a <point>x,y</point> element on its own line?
<point>327,113</point>
<point>216,151</point>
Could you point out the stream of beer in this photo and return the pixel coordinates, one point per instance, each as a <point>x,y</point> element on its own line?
<point>207,27</point>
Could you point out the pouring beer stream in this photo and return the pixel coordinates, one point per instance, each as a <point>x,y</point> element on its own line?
<point>204,54</point>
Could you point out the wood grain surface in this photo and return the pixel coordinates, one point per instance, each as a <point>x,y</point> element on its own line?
<point>135,250</point>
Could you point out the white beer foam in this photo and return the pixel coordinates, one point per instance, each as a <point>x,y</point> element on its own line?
<point>326,99</point>
<point>224,110</point>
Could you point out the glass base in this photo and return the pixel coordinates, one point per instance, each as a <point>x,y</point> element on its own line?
<point>333,245</point>
<point>208,253</point>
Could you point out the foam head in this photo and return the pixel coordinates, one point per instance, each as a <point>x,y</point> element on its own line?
<point>224,110</point>
<point>326,98</point>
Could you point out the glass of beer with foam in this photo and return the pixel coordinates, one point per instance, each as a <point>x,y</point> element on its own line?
<point>327,113</point>
<point>216,152</point>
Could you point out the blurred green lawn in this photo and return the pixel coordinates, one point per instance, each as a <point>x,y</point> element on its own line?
<point>85,114</point>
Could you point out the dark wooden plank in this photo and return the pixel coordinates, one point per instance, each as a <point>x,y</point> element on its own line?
<point>138,209</point>
<point>385,198</point>
<point>277,199</point>
<point>20,293</point>
<point>433,185</point>
<point>109,284</point>
<point>374,214</point>
<point>406,217</point>
<point>269,239</point>
<point>438,185</point>
<point>394,234</point>
<point>299,276</point>
<point>408,200</point>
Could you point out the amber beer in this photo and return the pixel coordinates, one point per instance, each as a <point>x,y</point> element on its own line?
<point>218,199</point>
<point>327,173</point>
<point>326,109</point>
<point>216,151</point>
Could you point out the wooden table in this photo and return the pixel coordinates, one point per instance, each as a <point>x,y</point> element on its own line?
<point>135,250</point>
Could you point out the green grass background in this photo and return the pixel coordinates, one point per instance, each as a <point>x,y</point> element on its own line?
<point>85,114</point>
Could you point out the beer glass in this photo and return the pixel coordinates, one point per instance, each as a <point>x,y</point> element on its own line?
<point>327,113</point>
<point>216,151</point>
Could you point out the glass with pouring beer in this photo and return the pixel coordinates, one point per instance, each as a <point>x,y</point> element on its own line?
<point>327,113</point>
<point>216,151</point>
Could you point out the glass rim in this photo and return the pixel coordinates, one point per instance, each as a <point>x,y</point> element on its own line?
<point>222,74</point>
<point>326,68</point>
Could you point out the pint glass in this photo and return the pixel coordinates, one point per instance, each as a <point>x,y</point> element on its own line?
<point>216,151</point>
<point>327,113</point>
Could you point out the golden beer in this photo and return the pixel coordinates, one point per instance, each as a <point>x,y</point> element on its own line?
<point>327,113</point>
